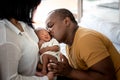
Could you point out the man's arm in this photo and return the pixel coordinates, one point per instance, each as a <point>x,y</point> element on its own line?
<point>103,70</point>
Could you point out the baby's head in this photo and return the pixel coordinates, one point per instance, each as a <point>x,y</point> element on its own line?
<point>43,34</point>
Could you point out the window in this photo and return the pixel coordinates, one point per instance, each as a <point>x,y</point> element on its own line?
<point>107,10</point>
<point>48,5</point>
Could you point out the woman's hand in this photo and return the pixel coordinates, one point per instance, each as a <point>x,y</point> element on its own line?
<point>51,75</point>
<point>61,68</point>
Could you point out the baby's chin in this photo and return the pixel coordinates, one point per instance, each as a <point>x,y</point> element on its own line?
<point>47,40</point>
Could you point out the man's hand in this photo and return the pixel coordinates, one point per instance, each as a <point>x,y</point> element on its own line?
<point>61,68</point>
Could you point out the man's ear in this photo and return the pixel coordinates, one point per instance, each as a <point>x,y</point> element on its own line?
<point>67,21</point>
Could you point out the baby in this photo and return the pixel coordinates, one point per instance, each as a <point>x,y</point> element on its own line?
<point>48,46</point>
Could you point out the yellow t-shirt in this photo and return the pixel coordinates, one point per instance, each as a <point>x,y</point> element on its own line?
<point>89,47</point>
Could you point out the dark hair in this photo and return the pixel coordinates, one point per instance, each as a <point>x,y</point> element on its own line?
<point>19,9</point>
<point>63,13</point>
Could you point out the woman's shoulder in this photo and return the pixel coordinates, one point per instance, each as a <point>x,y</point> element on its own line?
<point>2,31</point>
<point>2,22</point>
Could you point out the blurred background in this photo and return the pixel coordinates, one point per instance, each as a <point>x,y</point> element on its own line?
<point>105,9</point>
<point>89,13</point>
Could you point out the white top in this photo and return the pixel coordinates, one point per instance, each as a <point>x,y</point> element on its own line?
<point>18,52</point>
<point>50,43</point>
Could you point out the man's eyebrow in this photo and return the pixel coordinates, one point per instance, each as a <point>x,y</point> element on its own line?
<point>47,25</point>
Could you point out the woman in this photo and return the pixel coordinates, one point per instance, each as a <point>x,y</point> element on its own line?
<point>18,41</point>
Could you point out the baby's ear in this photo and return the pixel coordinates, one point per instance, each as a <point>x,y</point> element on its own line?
<point>35,31</point>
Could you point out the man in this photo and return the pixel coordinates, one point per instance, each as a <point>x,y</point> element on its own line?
<point>91,55</point>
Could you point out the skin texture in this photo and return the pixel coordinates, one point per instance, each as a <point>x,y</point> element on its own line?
<point>64,30</point>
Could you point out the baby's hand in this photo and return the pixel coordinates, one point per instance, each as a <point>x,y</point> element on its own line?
<point>43,50</point>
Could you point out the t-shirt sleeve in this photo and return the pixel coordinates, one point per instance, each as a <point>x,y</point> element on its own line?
<point>93,49</point>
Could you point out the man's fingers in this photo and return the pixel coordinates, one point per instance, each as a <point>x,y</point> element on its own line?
<point>53,61</point>
<point>51,66</point>
<point>63,58</point>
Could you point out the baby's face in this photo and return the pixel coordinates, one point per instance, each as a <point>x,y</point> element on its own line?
<point>44,35</point>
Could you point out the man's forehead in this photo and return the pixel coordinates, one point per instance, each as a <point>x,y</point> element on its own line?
<point>51,18</point>
<point>48,20</point>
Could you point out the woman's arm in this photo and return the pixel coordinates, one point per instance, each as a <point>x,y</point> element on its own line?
<point>9,60</point>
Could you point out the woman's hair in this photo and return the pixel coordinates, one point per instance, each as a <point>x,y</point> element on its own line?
<point>21,10</point>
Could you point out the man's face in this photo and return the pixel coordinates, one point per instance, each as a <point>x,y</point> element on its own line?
<point>57,27</point>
